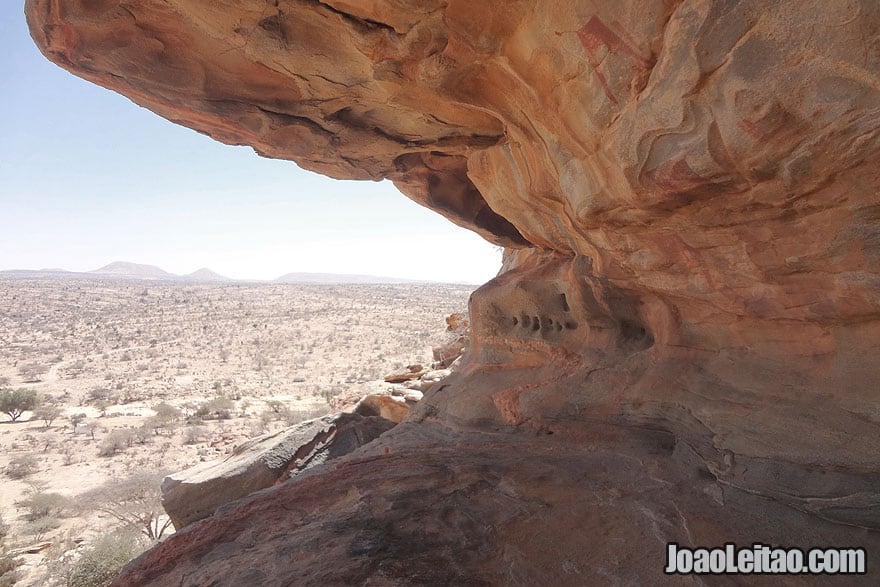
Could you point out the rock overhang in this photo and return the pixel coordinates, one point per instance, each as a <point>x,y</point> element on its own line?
<point>686,192</point>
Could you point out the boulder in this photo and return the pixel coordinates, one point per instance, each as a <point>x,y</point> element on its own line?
<point>265,461</point>
<point>436,375</point>
<point>31,549</point>
<point>457,323</point>
<point>430,378</point>
<point>447,353</point>
<point>412,372</point>
<point>402,377</point>
<point>413,396</point>
<point>383,406</point>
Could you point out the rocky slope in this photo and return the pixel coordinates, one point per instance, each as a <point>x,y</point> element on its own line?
<point>682,345</point>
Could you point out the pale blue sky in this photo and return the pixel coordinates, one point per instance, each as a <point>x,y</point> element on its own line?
<point>87,177</point>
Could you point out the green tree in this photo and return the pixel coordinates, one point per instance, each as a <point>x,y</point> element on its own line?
<point>275,405</point>
<point>14,402</point>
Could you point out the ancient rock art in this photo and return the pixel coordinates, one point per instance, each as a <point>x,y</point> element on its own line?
<point>682,344</point>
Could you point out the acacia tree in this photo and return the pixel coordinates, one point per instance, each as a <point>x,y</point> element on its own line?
<point>14,402</point>
<point>165,419</point>
<point>135,501</point>
<point>33,372</point>
<point>48,413</point>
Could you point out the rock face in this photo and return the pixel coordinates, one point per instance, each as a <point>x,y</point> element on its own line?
<point>262,462</point>
<point>683,343</point>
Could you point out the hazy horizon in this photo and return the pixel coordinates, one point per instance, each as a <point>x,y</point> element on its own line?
<point>231,277</point>
<point>88,178</point>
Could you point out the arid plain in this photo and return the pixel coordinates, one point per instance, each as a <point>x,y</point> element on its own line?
<point>138,379</point>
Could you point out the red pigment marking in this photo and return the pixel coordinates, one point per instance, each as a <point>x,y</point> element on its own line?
<point>676,175</point>
<point>751,129</point>
<point>629,43</point>
<point>593,35</point>
<point>676,250</point>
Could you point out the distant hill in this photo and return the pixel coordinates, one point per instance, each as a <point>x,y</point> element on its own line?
<point>121,270</point>
<point>336,278</point>
<point>124,270</point>
<point>205,275</point>
<point>133,271</point>
<point>40,274</point>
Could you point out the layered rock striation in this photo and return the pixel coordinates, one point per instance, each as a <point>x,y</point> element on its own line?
<point>683,342</point>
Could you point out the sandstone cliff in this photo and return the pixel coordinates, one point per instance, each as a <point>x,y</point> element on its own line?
<point>683,343</point>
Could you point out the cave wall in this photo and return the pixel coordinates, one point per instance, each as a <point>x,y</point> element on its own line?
<point>686,191</point>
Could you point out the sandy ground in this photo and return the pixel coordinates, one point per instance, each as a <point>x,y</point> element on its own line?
<point>113,351</point>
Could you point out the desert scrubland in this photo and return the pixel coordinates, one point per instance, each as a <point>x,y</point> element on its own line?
<point>136,379</point>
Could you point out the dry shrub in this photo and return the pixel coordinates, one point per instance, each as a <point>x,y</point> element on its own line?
<point>43,505</point>
<point>22,466</point>
<point>116,442</point>
<point>8,564</point>
<point>195,434</point>
<point>99,563</point>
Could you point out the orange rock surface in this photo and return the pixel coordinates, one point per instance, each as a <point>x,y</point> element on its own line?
<point>684,342</point>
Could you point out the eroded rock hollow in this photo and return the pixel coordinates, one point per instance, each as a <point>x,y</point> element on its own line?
<point>683,343</point>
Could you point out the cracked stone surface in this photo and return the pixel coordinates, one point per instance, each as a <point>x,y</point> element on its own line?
<point>683,342</point>
<point>264,461</point>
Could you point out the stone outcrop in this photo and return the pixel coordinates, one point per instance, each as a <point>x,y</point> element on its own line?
<point>682,344</point>
<point>412,372</point>
<point>262,462</point>
<point>383,406</point>
<point>446,354</point>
